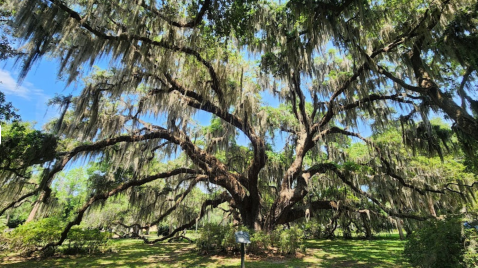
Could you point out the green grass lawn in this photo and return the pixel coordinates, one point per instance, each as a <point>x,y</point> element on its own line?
<point>380,252</point>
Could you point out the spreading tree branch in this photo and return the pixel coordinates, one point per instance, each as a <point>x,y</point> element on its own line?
<point>190,24</point>
<point>224,197</point>
<point>108,194</point>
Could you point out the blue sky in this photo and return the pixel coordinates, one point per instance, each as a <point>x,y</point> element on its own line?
<point>41,84</point>
<point>31,96</point>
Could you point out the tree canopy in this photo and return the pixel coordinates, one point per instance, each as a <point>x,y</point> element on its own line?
<point>340,70</point>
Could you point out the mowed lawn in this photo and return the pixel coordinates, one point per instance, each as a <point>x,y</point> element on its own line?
<point>380,252</point>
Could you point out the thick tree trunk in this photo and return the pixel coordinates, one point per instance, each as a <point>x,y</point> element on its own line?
<point>400,228</point>
<point>293,187</point>
<point>431,206</point>
<point>249,210</point>
<point>347,232</point>
<point>36,207</point>
<point>408,230</point>
<point>366,224</point>
<point>45,192</point>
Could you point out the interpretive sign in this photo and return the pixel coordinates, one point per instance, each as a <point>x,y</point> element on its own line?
<point>243,237</point>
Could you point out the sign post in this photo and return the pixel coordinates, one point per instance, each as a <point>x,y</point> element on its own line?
<point>243,238</point>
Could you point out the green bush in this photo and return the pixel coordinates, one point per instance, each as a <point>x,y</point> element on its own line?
<point>222,238</point>
<point>439,243</point>
<point>3,224</point>
<point>290,240</point>
<point>229,239</point>
<point>218,237</point>
<point>470,258</point>
<point>32,235</point>
<point>36,234</point>
<point>211,237</point>
<point>260,242</point>
<point>3,228</point>
<point>86,241</point>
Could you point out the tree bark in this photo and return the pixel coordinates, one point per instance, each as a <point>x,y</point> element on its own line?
<point>249,210</point>
<point>398,221</point>
<point>431,206</point>
<point>34,211</point>
<point>464,121</point>
<point>366,224</point>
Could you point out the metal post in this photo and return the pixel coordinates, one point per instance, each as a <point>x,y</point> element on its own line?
<point>243,265</point>
<point>242,238</point>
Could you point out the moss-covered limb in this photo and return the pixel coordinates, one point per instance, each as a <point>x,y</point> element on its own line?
<point>377,202</point>
<point>364,67</point>
<point>430,88</point>
<point>205,161</point>
<point>375,97</point>
<point>399,81</point>
<point>298,95</point>
<point>138,38</point>
<point>320,168</point>
<point>194,22</point>
<point>63,158</point>
<point>18,201</point>
<point>388,167</point>
<point>199,102</point>
<point>178,200</point>
<point>298,213</point>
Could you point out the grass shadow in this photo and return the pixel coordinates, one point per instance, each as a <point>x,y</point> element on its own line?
<point>380,252</point>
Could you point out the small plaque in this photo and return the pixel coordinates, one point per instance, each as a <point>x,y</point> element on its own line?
<point>243,237</point>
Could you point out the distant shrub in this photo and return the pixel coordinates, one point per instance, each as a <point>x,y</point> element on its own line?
<point>312,229</point>
<point>163,230</point>
<point>15,222</point>
<point>437,244</point>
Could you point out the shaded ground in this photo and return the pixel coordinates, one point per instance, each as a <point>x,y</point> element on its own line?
<point>381,252</point>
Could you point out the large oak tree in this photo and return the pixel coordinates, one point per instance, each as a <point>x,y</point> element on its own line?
<point>338,68</point>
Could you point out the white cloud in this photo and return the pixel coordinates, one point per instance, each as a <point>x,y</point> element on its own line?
<point>9,86</point>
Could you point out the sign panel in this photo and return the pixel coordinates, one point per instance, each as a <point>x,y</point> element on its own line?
<point>242,237</point>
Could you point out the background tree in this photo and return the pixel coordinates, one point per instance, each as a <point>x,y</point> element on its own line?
<point>7,111</point>
<point>7,50</point>
<point>393,63</point>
